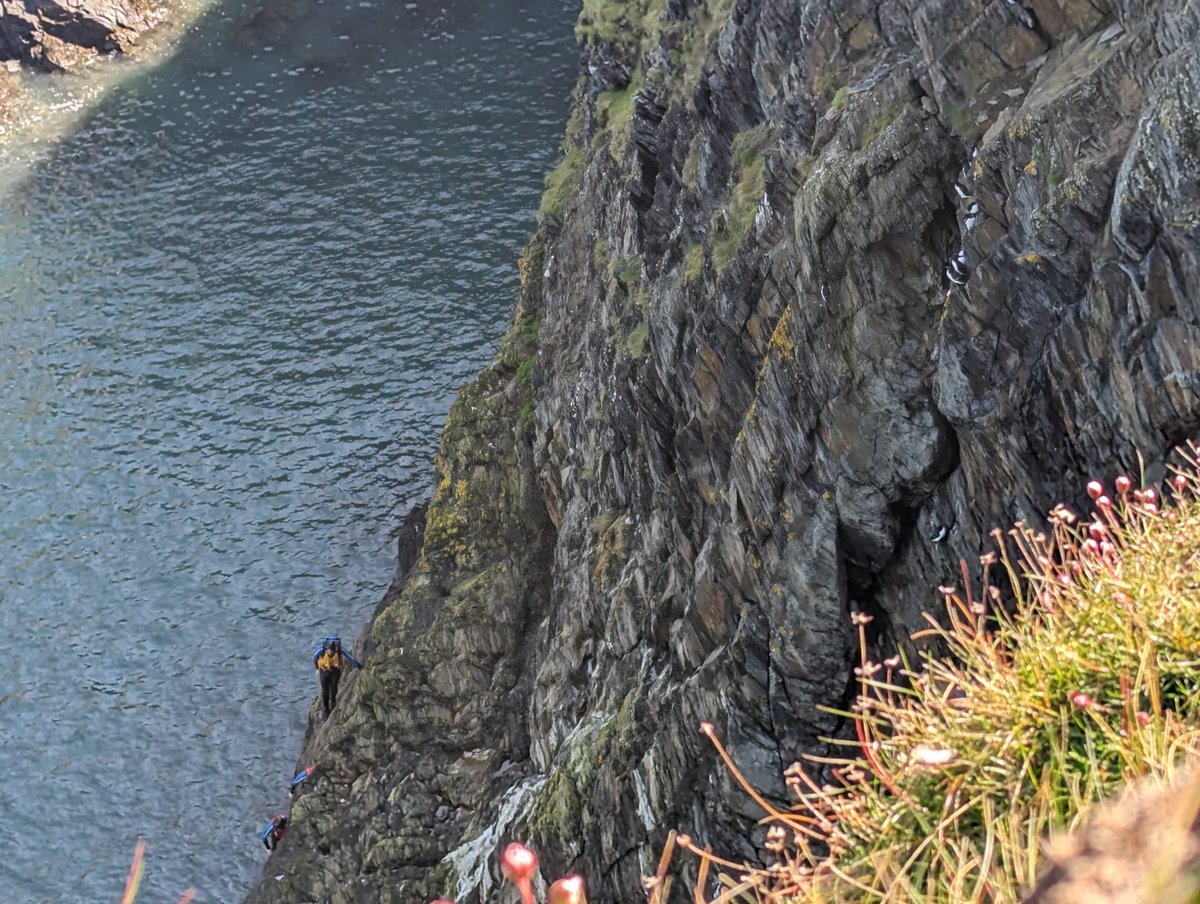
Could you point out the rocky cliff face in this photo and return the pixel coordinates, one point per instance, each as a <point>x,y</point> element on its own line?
<point>823,290</point>
<point>47,34</point>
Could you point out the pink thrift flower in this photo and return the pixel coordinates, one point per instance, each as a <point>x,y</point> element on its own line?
<point>519,865</point>
<point>1123,484</point>
<point>567,890</point>
<point>1095,489</point>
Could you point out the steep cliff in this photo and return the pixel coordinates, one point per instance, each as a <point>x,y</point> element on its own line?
<point>822,291</point>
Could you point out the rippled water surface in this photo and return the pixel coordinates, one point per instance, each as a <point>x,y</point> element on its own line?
<point>235,303</point>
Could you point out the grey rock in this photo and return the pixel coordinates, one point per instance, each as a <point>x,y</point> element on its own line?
<point>669,520</point>
<point>55,35</point>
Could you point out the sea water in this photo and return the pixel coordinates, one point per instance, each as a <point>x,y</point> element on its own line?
<point>238,292</point>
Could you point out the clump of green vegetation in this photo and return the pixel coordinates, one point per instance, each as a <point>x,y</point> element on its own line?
<point>1054,178</point>
<point>1069,671</point>
<point>615,108</point>
<point>525,414</point>
<point>525,370</point>
<point>805,165</point>
<point>562,183</point>
<point>708,18</point>
<point>840,97</point>
<point>630,26</point>
<point>600,256</point>
<point>627,270</point>
<point>877,125</point>
<point>637,341</point>
<point>731,226</point>
<point>961,119</point>
<point>519,343</point>
<point>693,262</point>
<point>691,163</point>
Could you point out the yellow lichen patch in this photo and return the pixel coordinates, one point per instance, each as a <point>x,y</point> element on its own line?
<point>610,553</point>
<point>781,338</point>
<point>1031,168</point>
<point>1028,258</point>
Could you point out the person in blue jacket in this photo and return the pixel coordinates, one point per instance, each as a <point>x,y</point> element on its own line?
<point>301,777</point>
<point>273,831</point>
<point>329,659</point>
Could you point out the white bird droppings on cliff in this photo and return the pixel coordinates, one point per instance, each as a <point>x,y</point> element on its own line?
<point>471,860</point>
<point>645,813</point>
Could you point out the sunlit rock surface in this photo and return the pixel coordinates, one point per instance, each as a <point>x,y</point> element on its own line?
<point>48,34</point>
<point>822,291</point>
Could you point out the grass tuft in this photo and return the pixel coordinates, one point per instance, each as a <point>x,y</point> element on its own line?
<point>1072,668</point>
<point>562,184</point>
<point>733,223</point>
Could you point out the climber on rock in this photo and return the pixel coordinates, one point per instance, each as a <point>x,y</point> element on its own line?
<point>273,831</point>
<point>328,659</point>
<point>301,777</point>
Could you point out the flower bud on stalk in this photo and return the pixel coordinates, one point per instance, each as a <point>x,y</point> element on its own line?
<point>519,865</point>
<point>567,890</point>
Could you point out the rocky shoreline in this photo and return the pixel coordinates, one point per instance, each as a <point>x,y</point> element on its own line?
<point>51,36</point>
<point>822,292</point>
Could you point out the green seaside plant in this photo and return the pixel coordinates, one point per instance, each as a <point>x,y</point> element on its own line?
<point>1071,670</point>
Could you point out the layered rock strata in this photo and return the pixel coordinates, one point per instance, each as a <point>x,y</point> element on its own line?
<point>822,291</point>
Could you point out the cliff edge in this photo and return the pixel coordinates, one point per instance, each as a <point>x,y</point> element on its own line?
<point>822,291</point>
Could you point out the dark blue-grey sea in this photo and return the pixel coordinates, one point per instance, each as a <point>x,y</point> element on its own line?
<point>237,296</point>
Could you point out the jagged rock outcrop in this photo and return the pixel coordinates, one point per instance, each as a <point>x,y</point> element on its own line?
<point>48,34</point>
<point>823,290</point>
